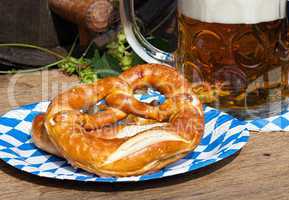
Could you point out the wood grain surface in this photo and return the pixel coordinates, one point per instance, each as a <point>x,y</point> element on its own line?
<point>259,171</point>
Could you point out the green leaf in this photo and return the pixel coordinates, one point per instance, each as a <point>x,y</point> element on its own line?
<point>112,62</point>
<point>105,65</point>
<point>102,73</point>
<point>136,60</point>
<point>98,63</point>
<point>96,57</point>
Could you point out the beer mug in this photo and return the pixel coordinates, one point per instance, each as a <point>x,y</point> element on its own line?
<point>235,52</point>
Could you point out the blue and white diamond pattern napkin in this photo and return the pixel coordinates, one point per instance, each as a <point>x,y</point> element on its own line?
<point>273,124</point>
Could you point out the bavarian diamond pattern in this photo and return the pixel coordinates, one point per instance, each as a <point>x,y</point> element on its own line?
<point>223,137</point>
<point>272,124</point>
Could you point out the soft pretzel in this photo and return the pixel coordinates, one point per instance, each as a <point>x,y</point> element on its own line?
<point>165,79</point>
<point>40,137</point>
<point>43,142</point>
<point>98,144</point>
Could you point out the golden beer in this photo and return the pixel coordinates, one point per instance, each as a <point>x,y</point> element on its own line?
<point>239,67</point>
<point>235,52</point>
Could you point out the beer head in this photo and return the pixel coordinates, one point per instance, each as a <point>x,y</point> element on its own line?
<point>233,11</point>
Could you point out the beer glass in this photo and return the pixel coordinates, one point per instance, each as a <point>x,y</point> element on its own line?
<point>235,52</point>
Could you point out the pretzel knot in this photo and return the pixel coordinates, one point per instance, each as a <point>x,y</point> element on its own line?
<point>150,136</point>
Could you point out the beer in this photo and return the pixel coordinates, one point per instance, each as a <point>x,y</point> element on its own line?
<point>235,52</point>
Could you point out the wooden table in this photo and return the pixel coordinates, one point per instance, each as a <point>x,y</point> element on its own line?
<point>259,171</point>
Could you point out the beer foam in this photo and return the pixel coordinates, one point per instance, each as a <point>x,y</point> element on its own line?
<point>233,11</point>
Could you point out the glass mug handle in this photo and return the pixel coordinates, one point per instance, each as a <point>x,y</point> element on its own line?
<point>138,43</point>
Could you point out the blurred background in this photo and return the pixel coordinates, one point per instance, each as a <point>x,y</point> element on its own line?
<point>83,32</point>
<point>84,38</point>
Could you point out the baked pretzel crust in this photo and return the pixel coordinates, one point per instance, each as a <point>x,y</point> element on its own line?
<point>98,144</point>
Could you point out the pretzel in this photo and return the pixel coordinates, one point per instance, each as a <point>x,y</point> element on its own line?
<point>40,136</point>
<point>98,144</point>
